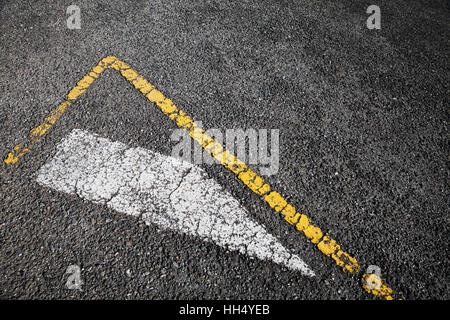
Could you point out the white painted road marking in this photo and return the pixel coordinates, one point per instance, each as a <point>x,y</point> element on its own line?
<point>162,190</point>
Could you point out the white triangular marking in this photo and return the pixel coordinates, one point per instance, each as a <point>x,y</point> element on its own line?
<point>162,190</point>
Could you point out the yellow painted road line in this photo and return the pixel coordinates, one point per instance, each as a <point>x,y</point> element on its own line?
<point>301,222</point>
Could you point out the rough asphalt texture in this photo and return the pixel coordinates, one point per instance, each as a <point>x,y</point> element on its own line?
<point>369,105</point>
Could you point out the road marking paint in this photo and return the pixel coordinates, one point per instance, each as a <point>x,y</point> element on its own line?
<point>162,190</point>
<point>324,243</point>
<point>381,288</point>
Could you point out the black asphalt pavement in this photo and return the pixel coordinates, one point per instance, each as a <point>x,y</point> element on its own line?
<point>364,142</point>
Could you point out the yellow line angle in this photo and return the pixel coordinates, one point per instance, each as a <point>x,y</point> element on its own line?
<point>302,223</point>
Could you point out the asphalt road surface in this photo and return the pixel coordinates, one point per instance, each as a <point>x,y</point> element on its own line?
<point>362,116</point>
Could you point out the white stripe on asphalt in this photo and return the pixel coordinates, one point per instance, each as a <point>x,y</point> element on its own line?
<point>162,190</point>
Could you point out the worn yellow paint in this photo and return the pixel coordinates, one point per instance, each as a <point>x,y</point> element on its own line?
<point>143,85</point>
<point>254,182</point>
<point>129,74</point>
<point>315,234</point>
<point>233,163</point>
<point>57,113</point>
<point>328,246</point>
<point>199,136</point>
<point>86,81</point>
<point>39,131</point>
<point>276,201</point>
<point>290,215</point>
<point>344,260</point>
<point>11,158</point>
<point>18,151</point>
<point>380,289</point>
<point>155,96</point>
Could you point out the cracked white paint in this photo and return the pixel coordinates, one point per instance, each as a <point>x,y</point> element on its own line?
<point>162,190</point>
